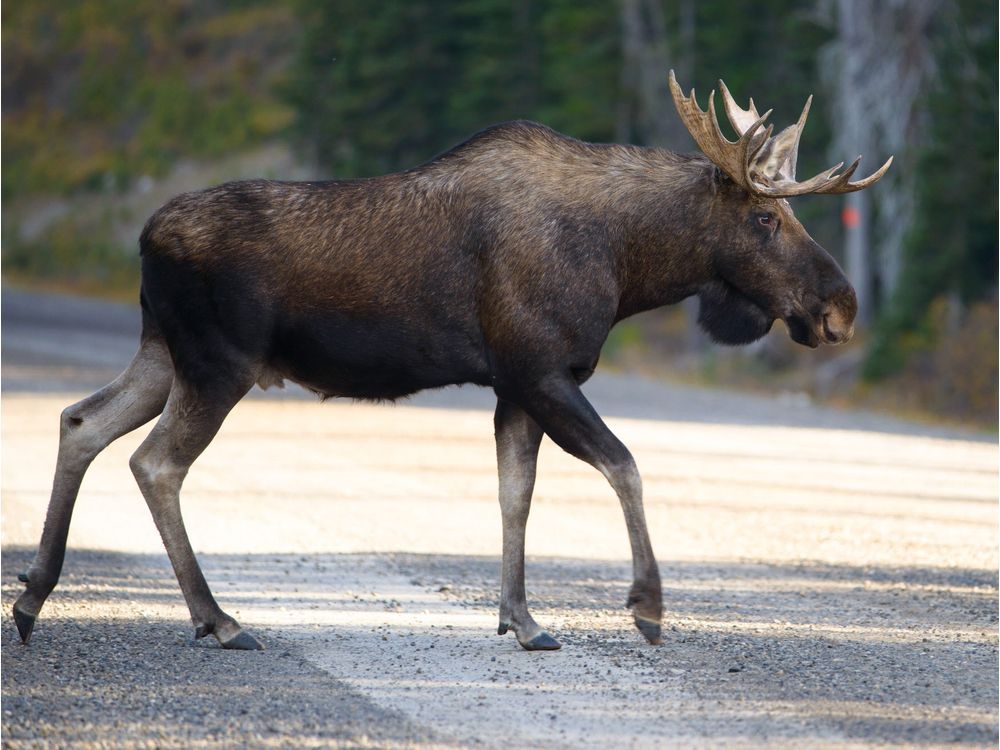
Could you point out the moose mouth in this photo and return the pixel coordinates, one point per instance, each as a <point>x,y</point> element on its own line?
<point>812,331</point>
<point>801,331</point>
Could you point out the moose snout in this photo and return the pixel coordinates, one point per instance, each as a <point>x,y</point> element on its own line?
<point>837,316</point>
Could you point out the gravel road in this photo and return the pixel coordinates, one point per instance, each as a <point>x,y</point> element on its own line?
<point>830,578</point>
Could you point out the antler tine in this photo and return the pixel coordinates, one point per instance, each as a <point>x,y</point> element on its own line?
<point>744,138</point>
<point>741,119</point>
<point>779,188</point>
<point>850,187</point>
<point>732,157</point>
<point>793,155</point>
<point>825,183</point>
<point>842,178</point>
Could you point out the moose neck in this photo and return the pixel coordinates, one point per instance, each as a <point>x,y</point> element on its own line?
<point>662,251</point>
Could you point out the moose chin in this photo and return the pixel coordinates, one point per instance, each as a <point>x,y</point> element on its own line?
<point>503,262</point>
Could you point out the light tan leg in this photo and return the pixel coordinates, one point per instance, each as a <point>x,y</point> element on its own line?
<point>518,438</point>
<point>87,428</point>
<point>190,420</point>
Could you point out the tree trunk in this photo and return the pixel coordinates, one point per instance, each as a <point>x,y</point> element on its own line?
<point>851,18</point>
<point>857,252</point>
<point>645,108</point>
<point>877,67</point>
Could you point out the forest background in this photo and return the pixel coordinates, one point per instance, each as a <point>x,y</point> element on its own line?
<point>112,106</point>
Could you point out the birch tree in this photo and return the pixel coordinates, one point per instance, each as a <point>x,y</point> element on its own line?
<point>876,69</point>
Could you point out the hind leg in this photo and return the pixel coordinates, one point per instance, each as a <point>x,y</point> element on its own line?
<point>518,437</point>
<point>191,418</point>
<point>87,428</point>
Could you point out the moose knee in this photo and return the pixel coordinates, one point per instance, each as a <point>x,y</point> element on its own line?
<point>151,471</point>
<point>80,437</point>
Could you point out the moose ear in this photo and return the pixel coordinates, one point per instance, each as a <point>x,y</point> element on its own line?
<point>777,157</point>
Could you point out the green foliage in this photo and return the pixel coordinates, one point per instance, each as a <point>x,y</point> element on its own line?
<point>72,255</point>
<point>946,363</point>
<point>626,338</point>
<point>382,88</point>
<point>952,246</point>
<point>99,91</point>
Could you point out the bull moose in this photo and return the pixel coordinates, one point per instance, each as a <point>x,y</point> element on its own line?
<point>503,262</point>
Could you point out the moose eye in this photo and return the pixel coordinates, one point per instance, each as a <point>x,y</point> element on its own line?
<point>765,220</point>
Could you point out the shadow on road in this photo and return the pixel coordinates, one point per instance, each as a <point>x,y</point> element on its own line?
<point>870,654</point>
<point>100,671</point>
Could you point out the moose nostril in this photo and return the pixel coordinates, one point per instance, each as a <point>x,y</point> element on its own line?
<point>828,334</point>
<point>836,330</point>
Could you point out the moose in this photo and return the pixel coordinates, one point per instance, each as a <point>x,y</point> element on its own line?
<point>503,262</point>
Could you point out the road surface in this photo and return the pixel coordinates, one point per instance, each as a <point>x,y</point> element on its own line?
<point>830,578</point>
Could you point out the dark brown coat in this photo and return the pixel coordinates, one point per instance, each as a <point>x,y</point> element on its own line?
<point>503,262</point>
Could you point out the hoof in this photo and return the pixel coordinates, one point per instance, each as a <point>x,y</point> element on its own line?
<point>650,629</point>
<point>25,624</point>
<point>503,628</point>
<point>243,641</point>
<point>22,577</point>
<point>542,642</point>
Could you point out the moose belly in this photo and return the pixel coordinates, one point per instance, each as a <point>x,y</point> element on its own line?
<point>379,357</point>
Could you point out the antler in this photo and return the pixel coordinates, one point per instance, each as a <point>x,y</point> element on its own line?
<point>732,157</point>
<point>780,151</point>
<point>760,164</point>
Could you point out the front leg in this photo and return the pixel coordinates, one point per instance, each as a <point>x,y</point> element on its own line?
<point>556,403</point>
<point>518,438</point>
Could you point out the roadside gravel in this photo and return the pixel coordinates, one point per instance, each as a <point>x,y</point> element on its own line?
<point>103,672</point>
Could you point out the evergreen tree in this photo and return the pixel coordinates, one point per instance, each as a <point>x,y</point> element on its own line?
<point>951,250</point>
<point>383,88</point>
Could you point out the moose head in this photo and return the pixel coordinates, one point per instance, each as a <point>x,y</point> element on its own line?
<point>766,265</point>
